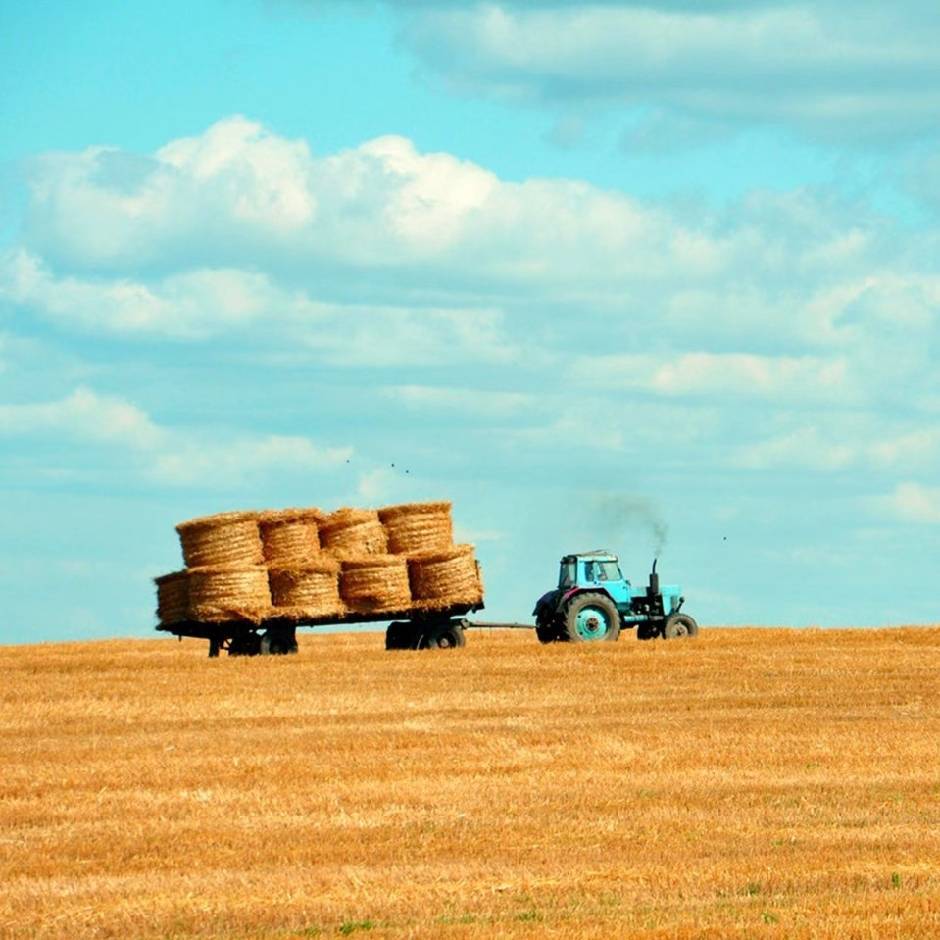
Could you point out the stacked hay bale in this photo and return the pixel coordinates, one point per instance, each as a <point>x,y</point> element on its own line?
<point>417,527</point>
<point>225,577</point>
<point>303,564</point>
<point>228,538</point>
<point>229,592</point>
<point>173,596</point>
<point>445,578</point>
<point>352,533</point>
<point>290,535</point>
<point>375,583</point>
<point>306,589</point>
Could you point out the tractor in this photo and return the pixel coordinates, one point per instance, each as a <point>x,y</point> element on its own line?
<point>594,601</point>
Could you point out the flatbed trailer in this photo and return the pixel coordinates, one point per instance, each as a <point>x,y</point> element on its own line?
<point>440,628</point>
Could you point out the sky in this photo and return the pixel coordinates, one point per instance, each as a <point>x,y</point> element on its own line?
<point>658,277</point>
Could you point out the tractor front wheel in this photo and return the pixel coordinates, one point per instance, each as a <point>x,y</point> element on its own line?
<point>679,625</point>
<point>591,617</point>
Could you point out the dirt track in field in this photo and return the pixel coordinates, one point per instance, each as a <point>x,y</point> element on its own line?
<point>780,783</point>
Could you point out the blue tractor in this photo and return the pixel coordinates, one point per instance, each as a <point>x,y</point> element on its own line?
<point>594,601</point>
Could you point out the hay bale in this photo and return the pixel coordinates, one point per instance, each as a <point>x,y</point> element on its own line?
<point>229,592</point>
<point>446,577</point>
<point>290,535</point>
<point>374,583</point>
<point>413,528</point>
<point>172,596</point>
<point>229,538</point>
<point>306,590</point>
<point>352,533</point>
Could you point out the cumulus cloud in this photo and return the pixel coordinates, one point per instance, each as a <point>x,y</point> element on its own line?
<point>801,65</point>
<point>833,441</point>
<point>189,304</point>
<point>742,375</point>
<point>162,454</point>
<point>462,401</point>
<point>914,502</point>
<point>381,256</point>
<point>85,415</point>
<point>205,303</point>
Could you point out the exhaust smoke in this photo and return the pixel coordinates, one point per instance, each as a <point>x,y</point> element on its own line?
<point>619,516</point>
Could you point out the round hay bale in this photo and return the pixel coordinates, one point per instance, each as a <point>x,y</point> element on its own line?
<point>290,535</point>
<point>375,583</point>
<point>446,577</point>
<point>352,533</point>
<point>229,592</point>
<point>172,596</point>
<point>307,590</point>
<point>229,538</point>
<point>418,527</point>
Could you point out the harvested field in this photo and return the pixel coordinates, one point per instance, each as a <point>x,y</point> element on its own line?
<point>749,783</point>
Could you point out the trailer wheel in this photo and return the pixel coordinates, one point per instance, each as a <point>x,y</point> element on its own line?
<point>591,617</point>
<point>400,636</point>
<point>278,643</point>
<point>446,637</point>
<point>680,625</point>
<point>245,644</point>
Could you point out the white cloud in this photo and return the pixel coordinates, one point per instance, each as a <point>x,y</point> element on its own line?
<point>244,456</point>
<point>463,401</point>
<point>834,443</point>
<point>203,303</point>
<point>191,304</point>
<point>85,415</point>
<point>166,455</point>
<point>915,503</point>
<point>401,258</point>
<point>737,374</point>
<point>802,65</point>
<point>804,447</point>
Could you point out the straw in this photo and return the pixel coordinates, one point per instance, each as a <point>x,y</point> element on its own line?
<point>290,535</point>
<point>352,533</point>
<point>229,538</point>
<point>417,527</point>
<point>375,583</point>
<point>172,596</point>
<point>228,592</point>
<point>445,577</point>
<point>306,591</point>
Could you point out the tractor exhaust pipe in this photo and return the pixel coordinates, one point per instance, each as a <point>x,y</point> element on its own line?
<point>653,589</point>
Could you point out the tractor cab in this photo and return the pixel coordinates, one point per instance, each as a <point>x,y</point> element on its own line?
<point>596,570</point>
<point>594,601</point>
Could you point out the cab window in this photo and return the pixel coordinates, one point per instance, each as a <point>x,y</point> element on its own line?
<point>566,577</point>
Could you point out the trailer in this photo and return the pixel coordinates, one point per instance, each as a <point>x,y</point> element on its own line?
<point>412,629</point>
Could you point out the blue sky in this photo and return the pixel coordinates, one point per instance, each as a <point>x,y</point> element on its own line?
<point>602,274</point>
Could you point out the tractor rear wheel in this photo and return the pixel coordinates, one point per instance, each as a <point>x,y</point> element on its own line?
<point>590,617</point>
<point>679,625</point>
<point>546,633</point>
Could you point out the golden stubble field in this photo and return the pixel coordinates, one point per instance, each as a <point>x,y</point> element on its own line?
<point>750,783</point>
